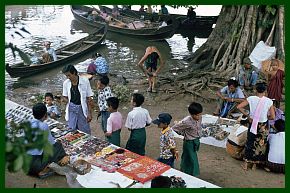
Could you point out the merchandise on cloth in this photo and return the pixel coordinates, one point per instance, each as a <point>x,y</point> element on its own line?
<point>143,169</point>
<point>112,161</point>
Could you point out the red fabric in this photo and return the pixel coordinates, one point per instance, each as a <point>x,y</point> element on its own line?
<point>276,85</point>
<point>143,169</point>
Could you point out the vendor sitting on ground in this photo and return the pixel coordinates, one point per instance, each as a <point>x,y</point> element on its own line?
<point>229,97</point>
<point>248,75</point>
<point>39,166</point>
<point>279,114</point>
<point>237,139</point>
<point>276,155</point>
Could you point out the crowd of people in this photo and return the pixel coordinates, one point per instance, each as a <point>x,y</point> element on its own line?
<point>258,139</point>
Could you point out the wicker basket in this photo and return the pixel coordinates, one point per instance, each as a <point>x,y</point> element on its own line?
<point>82,167</point>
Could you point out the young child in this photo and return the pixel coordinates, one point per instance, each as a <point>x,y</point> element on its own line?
<point>52,110</point>
<point>114,123</point>
<point>161,182</point>
<point>168,150</point>
<point>275,82</point>
<point>190,128</point>
<point>136,122</point>
<point>104,92</point>
<point>40,166</point>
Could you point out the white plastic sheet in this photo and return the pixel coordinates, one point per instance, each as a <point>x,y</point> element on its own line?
<point>261,53</point>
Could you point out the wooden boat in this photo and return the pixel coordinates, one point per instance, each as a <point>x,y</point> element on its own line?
<point>149,31</point>
<point>65,54</point>
<point>200,22</point>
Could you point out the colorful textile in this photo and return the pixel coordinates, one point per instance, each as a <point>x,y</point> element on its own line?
<point>255,149</point>
<point>143,169</point>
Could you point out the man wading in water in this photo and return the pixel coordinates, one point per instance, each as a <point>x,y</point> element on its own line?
<point>148,64</point>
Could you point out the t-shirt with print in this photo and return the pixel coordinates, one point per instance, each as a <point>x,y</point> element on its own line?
<point>103,95</point>
<point>166,143</point>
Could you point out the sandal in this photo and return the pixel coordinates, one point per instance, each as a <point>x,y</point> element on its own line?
<point>267,169</point>
<point>154,90</point>
<point>64,161</point>
<point>43,175</point>
<point>149,89</point>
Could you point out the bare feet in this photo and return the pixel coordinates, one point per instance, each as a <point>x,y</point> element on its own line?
<point>64,161</point>
<point>245,166</point>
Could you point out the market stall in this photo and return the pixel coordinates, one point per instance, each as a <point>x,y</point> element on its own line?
<point>215,130</point>
<point>101,164</point>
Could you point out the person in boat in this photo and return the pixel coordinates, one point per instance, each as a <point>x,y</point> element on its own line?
<point>115,11</point>
<point>142,9</point>
<point>229,97</point>
<point>191,15</point>
<point>163,10</point>
<point>49,53</point>
<point>151,59</point>
<point>92,15</point>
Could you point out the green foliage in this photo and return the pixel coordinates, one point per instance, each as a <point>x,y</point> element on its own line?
<point>122,92</point>
<point>271,9</point>
<point>21,138</point>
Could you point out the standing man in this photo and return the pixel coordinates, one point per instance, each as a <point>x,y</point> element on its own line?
<point>248,75</point>
<point>151,58</point>
<point>77,94</point>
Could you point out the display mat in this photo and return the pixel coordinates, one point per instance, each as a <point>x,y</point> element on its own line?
<point>112,161</point>
<point>143,169</point>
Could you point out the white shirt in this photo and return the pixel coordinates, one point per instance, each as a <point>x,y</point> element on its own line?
<point>277,148</point>
<point>253,102</point>
<point>51,52</point>
<point>85,91</point>
<point>138,118</point>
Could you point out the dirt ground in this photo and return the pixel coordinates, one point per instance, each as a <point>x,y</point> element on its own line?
<point>216,166</point>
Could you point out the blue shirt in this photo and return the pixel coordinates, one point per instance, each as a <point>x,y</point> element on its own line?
<point>53,109</point>
<point>35,123</point>
<point>101,65</point>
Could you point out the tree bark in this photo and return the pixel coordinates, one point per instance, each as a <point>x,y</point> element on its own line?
<point>238,30</point>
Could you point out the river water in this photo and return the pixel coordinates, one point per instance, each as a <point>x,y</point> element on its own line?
<point>57,24</point>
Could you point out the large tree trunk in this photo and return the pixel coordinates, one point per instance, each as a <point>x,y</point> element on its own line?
<point>237,31</point>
